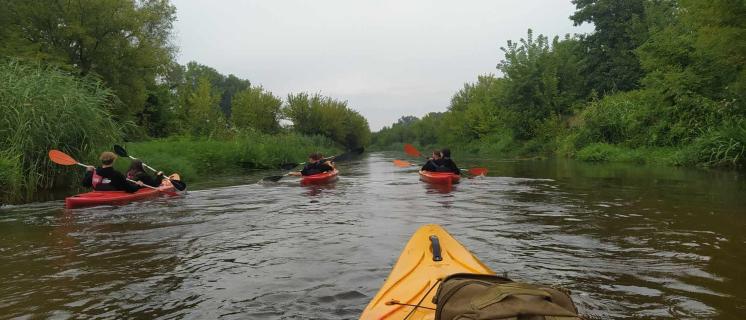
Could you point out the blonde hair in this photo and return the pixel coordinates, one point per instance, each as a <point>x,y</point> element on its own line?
<point>107,157</point>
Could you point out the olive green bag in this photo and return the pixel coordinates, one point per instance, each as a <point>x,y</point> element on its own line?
<point>465,296</point>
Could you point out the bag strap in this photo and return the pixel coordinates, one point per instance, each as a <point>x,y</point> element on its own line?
<point>499,292</point>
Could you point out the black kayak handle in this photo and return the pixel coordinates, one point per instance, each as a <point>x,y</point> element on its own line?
<point>436,248</point>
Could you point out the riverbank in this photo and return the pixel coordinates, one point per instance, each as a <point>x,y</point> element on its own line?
<point>195,159</point>
<point>728,154</point>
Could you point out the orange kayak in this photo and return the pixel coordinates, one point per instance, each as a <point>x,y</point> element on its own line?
<point>320,178</point>
<point>430,255</point>
<point>439,177</point>
<point>98,198</point>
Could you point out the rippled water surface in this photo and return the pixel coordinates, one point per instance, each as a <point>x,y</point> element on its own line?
<point>630,242</point>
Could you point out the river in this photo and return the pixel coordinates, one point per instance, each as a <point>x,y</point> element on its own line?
<point>629,241</point>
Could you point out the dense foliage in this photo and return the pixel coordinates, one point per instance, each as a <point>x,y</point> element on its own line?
<point>81,75</point>
<point>658,81</point>
<point>44,108</point>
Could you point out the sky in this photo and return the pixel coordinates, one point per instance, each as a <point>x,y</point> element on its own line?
<point>386,58</point>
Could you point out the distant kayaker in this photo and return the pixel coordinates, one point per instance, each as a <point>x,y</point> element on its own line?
<point>105,178</point>
<point>137,173</point>
<point>435,163</point>
<point>315,165</point>
<point>448,164</point>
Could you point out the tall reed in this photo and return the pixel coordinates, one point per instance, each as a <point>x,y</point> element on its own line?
<point>44,108</point>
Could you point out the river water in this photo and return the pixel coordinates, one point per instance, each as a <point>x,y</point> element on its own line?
<point>629,241</point>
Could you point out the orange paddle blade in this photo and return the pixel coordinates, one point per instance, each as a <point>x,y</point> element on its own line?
<point>411,150</point>
<point>478,171</point>
<point>402,163</point>
<point>62,158</point>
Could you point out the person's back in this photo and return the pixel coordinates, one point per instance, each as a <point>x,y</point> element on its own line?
<point>449,165</point>
<point>105,178</point>
<point>435,163</point>
<point>137,173</point>
<point>315,165</point>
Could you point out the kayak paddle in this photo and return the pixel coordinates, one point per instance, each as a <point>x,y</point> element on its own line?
<point>64,159</point>
<point>178,184</point>
<point>342,157</point>
<point>412,151</point>
<point>472,171</point>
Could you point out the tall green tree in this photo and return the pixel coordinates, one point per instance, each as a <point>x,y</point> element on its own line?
<point>203,110</point>
<point>126,42</point>
<point>257,109</point>
<point>540,80</point>
<point>319,115</point>
<point>226,86</point>
<point>610,63</point>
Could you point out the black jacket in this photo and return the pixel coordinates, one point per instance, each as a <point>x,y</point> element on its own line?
<point>153,181</point>
<point>315,168</point>
<point>450,166</point>
<point>441,165</point>
<point>112,180</point>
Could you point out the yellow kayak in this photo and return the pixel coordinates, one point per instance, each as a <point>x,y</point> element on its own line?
<point>430,255</point>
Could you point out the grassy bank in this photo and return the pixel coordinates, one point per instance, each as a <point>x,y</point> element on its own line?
<point>196,159</point>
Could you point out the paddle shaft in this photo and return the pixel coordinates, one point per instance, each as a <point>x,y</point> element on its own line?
<point>178,184</point>
<point>143,164</point>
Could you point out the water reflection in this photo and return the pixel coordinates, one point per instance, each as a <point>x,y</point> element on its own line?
<point>629,241</point>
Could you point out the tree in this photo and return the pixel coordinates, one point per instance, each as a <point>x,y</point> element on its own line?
<point>610,63</point>
<point>319,115</point>
<point>125,42</point>
<point>257,109</point>
<point>226,86</point>
<point>202,110</point>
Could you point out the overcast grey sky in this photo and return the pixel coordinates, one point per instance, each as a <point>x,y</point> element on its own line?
<point>387,58</point>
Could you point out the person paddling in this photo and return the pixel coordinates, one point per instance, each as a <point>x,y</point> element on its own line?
<point>136,172</point>
<point>315,165</point>
<point>434,163</point>
<point>448,164</point>
<point>105,178</point>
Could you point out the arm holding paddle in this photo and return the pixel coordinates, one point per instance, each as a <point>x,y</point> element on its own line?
<point>64,159</point>
<point>178,184</point>
<point>412,151</point>
<point>328,161</point>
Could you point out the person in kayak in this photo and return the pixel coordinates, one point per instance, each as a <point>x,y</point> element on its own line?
<point>137,173</point>
<point>435,163</point>
<point>105,178</point>
<point>315,165</point>
<point>448,164</point>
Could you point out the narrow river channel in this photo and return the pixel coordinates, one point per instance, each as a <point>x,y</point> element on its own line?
<point>629,241</point>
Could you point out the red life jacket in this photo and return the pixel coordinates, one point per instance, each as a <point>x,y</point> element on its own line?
<point>100,183</point>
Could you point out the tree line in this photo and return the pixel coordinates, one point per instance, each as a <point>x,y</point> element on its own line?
<point>126,44</point>
<point>656,77</point>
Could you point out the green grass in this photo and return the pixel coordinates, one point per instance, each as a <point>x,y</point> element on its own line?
<point>196,159</point>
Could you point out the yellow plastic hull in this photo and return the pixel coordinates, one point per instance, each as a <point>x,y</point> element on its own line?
<point>414,278</point>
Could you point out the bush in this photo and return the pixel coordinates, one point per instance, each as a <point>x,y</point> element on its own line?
<point>724,146</point>
<point>618,118</point>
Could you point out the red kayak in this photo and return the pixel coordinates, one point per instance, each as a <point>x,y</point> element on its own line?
<point>97,198</point>
<point>439,177</point>
<point>320,178</point>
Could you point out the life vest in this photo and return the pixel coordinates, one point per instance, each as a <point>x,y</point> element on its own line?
<point>100,183</point>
